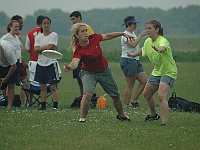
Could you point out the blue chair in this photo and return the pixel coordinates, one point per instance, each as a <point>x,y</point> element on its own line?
<point>34,92</point>
<point>34,89</point>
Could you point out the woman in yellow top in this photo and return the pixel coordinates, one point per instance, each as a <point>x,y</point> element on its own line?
<point>164,74</point>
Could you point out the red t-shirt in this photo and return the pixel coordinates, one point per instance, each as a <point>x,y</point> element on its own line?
<point>91,55</point>
<point>31,35</point>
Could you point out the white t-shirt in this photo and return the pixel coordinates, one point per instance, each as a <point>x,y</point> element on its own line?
<point>127,48</point>
<point>9,53</point>
<point>15,41</point>
<point>42,41</point>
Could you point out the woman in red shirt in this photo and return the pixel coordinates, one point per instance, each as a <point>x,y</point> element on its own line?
<point>95,68</point>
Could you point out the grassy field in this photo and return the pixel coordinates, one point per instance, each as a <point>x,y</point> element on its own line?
<point>30,129</point>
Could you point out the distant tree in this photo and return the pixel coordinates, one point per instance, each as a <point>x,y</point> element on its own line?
<point>176,21</point>
<point>4,20</point>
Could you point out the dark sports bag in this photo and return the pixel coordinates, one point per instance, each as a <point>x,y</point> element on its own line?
<point>182,104</point>
<point>77,102</point>
<point>16,101</point>
<point>3,100</point>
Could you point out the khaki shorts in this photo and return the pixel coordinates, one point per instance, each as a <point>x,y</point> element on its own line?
<point>104,78</point>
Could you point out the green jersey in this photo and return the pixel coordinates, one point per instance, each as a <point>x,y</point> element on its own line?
<point>163,62</point>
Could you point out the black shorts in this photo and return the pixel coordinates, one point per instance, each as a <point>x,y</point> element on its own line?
<point>13,79</point>
<point>47,74</point>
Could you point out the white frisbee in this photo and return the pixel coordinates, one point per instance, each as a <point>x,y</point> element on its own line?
<point>52,54</point>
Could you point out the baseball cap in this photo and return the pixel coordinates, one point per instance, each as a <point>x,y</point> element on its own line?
<point>131,20</point>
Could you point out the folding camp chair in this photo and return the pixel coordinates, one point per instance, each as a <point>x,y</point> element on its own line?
<point>34,89</point>
<point>34,92</point>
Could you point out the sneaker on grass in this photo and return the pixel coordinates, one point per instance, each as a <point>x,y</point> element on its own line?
<point>135,105</point>
<point>82,120</point>
<point>126,118</point>
<point>151,118</point>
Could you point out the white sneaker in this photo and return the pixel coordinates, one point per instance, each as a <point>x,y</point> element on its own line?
<point>82,119</point>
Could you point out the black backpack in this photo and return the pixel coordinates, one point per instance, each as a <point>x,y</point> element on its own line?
<point>182,104</point>
<point>4,101</point>
<point>77,101</point>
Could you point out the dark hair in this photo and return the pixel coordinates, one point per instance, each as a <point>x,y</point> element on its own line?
<point>157,25</point>
<point>10,25</point>
<point>39,19</point>
<point>45,17</point>
<point>76,14</point>
<point>127,18</point>
<point>16,17</point>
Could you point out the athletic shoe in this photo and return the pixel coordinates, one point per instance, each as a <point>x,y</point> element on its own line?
<point>54,108</point>
<point>151,118</point>
<point>126,118</point>
<point>163,124</point>
<point>82,120</point>
<point>135,105</point>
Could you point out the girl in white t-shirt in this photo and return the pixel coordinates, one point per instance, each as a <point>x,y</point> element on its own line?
<point>131,67</point>
<point>47,70</point>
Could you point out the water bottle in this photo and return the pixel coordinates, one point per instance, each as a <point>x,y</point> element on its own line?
<point>101,101</point>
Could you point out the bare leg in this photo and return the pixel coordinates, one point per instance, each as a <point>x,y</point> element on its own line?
<point>22,92</point>
<point>162,97</point>
<point>142,78</point>
<point>130,81</point>
<point>118,106</point>
<point>43,92</point>
<point>54,91</point>
<point>11,95</point>
<point>80,85</point>
<point>149,91</point>
<point>85,104</point>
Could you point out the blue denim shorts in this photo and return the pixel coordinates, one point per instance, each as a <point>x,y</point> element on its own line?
<point>130,67</point>
<point>157,79</point>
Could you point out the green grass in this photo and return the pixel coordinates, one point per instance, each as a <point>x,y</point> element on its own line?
<point>30,129</point>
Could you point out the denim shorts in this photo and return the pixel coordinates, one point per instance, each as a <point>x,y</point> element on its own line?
<point>157,79</point>
<point>130,67</point>
<point>104,78</point>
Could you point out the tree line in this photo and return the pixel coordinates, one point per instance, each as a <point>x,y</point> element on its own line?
<point>176,21</point>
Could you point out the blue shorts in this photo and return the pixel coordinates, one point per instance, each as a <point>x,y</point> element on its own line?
<point>47,74</point>
<point>157,79</point>
<point>104,78</point>
<point>130,67</point>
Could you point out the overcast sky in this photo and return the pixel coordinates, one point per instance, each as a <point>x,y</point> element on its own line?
<point>28,7</point>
